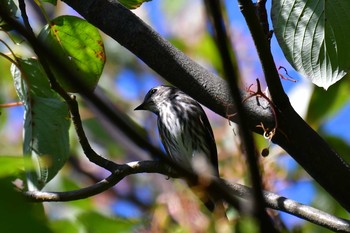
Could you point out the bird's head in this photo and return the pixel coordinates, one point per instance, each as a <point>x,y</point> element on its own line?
<point>157,97</point>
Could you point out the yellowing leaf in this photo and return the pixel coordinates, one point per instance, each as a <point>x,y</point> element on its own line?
<point>80,46</point>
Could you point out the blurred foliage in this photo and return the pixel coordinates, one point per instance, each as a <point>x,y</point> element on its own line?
<point>324,104</point>
<point>12,9</point>
<point>18,215</point>
<point>14,166</point>
<point>133,4</point>
<point>164,205</point>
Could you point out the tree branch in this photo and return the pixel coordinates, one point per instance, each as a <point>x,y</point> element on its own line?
<point>22,7</point>
<point>70,100</point>
<point>294,134</point>
<point>131,32</point>
<point>120,172</point>
<point>290,206</point>
<point>272,200</point>
<point>231,73</point>
<point>278,96</point>
<point>118,119</point>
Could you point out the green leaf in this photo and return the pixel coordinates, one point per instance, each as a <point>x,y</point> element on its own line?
<point>19,215</point>
<point>314,36</point>
<point>97,223</point>
<point>79,45</point>
<point>340,145</point>
<point>46,122</point>
<point>65,226</point>
<point>100,135</point>
<point>324,104</point>
<point>247,224</point>
<point>11,9</point>
<point>12,165</point>
<point>53,2</point>
<point>133,4</point>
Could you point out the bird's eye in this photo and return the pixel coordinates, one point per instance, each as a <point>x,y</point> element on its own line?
<point>153,91</point>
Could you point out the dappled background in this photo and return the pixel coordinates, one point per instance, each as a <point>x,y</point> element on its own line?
<point>151,201</point>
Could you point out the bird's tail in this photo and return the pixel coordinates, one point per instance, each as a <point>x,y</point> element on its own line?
<point>214,205</point>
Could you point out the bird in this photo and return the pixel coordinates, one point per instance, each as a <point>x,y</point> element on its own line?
<point>184,130</point>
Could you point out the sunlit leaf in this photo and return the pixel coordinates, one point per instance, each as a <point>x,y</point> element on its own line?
<point>46,122</point>
<point>314,36</point>
<point>133,4</point>
<point>324,104</point>
<point>65,226</point>
<point>11,165</point>
<point>53,2</point>
<point>247,224</point>
<point>79,45</point>
<point>67,183</point>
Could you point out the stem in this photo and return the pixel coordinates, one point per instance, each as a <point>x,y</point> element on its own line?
<point>231,73</point>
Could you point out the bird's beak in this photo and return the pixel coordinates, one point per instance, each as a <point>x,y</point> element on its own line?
<point>140,107</point>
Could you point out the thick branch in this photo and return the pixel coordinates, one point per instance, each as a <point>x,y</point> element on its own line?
<point>272,200</point>
<point>132,33</point>
<point>117,119</point>
<point>294,135</point>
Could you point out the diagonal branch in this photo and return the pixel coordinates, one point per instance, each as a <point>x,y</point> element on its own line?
<point>294,134</point>
<point>118,119</point>
<point>70,100</point>
<point>262,45</point>
<point>169,62</point>
<point>272,200</point>
<point>290,206</point>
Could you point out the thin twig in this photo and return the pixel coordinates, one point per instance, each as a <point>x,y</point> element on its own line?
<point>295,135</point>
<point>70,100</point>
<point>116,118</point>
<point>278,96</point>
<point>117,193</point>
<point>272,200</point>
<point>231,73</point>
<point>262,14</point>
<point>9,105</point>
<point>120,172</point>
<point>22,7</point>
<point>300,153</point>
<point>84,142</point>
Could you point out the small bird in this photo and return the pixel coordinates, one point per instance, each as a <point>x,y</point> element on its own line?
<point>184,130</point>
